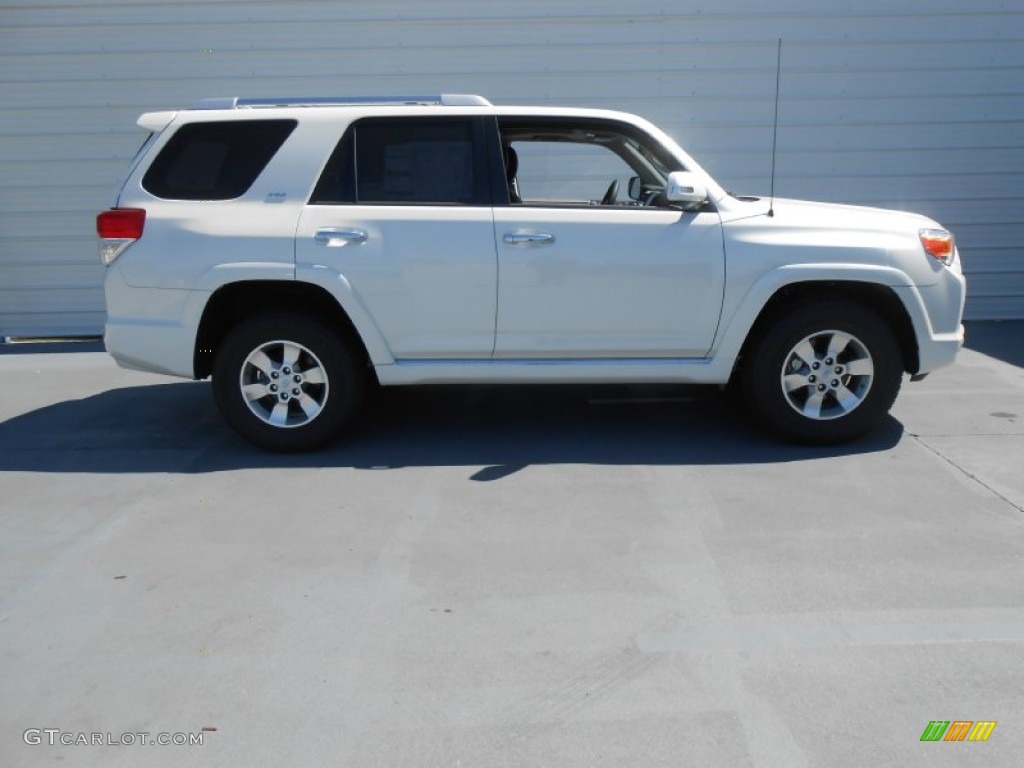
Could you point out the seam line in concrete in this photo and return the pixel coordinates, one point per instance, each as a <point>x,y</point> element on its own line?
<point>971,475</point>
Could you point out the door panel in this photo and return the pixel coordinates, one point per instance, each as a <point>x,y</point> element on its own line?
<point>403,212</point>
<point>426,274</point>
<point>607,282</point>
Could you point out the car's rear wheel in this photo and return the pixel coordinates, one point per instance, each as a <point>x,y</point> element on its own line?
<point>824,373</point>
<point>286,382</point>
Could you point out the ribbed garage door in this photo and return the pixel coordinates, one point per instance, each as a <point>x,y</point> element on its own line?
<point>894,103</point>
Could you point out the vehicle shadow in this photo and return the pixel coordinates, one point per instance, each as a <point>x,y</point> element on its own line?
<point>175,428</point>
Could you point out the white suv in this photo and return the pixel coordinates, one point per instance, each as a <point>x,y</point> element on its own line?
<point>298,250</point>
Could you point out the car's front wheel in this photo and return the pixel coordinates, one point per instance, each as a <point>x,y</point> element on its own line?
<point>824,373</point>
<point>286,382</point>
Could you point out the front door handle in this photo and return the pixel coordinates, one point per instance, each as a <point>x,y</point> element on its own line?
<point>335,237</point>
<point>528,238</point>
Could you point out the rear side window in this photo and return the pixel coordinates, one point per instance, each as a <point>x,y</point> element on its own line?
<point>407,161</point>
<point>215,161</point>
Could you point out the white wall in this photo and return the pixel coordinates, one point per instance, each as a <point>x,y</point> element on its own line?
<point>899,103</point>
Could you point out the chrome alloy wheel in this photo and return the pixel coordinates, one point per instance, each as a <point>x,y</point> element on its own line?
<point>284,384</point>
<point>827,375</point>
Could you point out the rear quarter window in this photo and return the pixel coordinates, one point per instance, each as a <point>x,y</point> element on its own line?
<point>215,161</point>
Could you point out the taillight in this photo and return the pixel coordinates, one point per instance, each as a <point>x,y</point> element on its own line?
<point>939,244</point>
<point>118,228</point>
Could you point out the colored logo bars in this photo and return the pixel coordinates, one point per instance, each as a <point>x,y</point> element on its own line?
<point>958,730</point>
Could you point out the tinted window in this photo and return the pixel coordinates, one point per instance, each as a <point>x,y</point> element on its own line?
<point>434,161</point>
<point>337,185</point>
<point>215,161</point>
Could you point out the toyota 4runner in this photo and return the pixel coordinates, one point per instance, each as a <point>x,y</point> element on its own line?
<point>299,250</point>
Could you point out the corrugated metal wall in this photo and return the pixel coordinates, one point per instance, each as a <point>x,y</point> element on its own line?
<point>897,103</point>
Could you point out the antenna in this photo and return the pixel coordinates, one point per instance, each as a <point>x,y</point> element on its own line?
<point>775,125</point>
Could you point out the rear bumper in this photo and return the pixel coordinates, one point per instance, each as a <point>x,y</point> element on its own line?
<point>151,329</point>
<point>148,347</point>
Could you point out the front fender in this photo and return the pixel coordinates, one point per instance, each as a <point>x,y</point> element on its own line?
<point>734,330</point>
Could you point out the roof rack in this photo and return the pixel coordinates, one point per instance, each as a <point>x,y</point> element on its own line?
<point>444,99</point>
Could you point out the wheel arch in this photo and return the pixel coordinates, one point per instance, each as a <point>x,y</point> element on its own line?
<point>878,297</point>
<point>234,302</point>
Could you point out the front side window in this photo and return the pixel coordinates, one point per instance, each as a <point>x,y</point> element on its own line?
<point>569,172</point>
<point>581,162</point>
<point>395,161</point>
<point>215,161</point>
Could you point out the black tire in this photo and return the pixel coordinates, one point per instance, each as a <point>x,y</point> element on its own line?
<point>853,400</point>
<point>326,373</point>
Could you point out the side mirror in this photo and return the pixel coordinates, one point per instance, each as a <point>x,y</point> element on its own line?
<point>636,188</point>
<point>685,188</point>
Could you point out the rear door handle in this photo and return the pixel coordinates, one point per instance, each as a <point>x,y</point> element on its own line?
<point>335,236</point>
<point>528,238</point>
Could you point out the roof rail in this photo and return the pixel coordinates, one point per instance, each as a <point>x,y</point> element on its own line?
<point>444,99</point>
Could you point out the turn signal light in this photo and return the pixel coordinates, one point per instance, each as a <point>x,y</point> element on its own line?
<point>939,244</point>
<point>118,228</point>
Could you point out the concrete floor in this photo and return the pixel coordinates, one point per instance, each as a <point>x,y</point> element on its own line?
<point>486,576</point>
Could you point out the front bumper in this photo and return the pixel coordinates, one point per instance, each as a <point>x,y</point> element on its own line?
<point>936,312</point>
